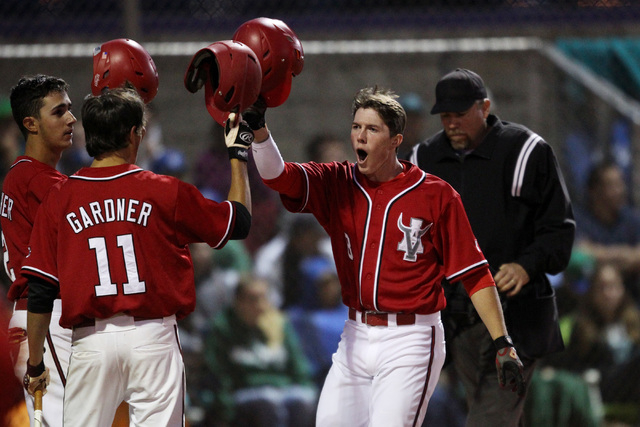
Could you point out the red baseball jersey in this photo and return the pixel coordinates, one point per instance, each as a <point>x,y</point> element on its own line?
<point>393,242</point>
<point>23,189</point>
<point>115,240</point>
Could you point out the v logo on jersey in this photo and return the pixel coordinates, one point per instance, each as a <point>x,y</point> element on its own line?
<point>412,242</point>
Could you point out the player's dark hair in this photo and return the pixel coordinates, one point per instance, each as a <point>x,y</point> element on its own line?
<point>109,117</point>
<point>384,102</point>
<point>27,97</point>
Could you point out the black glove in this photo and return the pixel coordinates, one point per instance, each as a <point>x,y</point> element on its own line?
<point>254,115</point>
<point>238,138</point>
<point>509,365</point>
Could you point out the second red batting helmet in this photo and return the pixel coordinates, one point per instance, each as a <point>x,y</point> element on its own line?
<point>280,54</point>
<point>118,61</point>
<point>231,75</point>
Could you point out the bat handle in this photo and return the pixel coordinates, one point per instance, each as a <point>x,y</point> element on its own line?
<point>37,413</point>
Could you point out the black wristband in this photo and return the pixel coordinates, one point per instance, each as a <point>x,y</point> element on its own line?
<point>502,342</point>
<point>239,153</point>
<point>254,115</point>
<point>35,371</point>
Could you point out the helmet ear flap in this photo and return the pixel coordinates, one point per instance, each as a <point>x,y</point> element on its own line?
<point>198,70</point>
<point>231,77</point>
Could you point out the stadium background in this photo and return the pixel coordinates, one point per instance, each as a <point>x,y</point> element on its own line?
<point>562,67</point>
<point>516,45</point>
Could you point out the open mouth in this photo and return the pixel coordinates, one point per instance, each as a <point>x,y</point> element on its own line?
<point>362,155</point>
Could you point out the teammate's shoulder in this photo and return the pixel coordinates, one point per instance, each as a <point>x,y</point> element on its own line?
<point>434,180</point>
<point>431,180</point>
<point>27,172</point>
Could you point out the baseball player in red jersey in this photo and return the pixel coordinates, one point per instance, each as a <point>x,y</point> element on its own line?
<point>42,109</point>
<point>395,232</point>
<point>113,240</point>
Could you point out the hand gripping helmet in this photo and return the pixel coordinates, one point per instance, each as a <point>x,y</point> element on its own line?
<point>280,54</point>
<point>231,75</point>
<point>121,60</point>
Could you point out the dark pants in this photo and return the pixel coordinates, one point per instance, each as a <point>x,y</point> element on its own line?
<point>473,355</point>
<point>293,406</point>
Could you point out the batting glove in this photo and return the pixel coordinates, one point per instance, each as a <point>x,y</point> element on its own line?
<point>254,115</point>
<point>238,138</point>
<point>509,365</point>
<point>37,377</point>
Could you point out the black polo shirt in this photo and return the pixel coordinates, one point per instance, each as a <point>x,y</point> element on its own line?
<point>514,195</point>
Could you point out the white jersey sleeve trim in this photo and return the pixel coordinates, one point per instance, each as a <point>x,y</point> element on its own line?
<point>20,161</point>
<point>40,272</point>
<point>232,214</point>
<point>464,270</point>
<point>268,159</point>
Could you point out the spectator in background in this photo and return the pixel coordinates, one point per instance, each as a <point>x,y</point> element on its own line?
<point>210,176</point>
<point>604,330</point>
<point>300,236</point>
<point>75,157</point>
<point>320,319</point>
<point>279,261</point>
<point>325,148</point>
<point>153,145</point>
<point>603,333</point>
<point>609,227</point>
<point>172,162</point>
<point>216,274</point>
<point>262,377</point>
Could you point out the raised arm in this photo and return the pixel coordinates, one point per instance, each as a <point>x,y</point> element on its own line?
<point>238,138</point>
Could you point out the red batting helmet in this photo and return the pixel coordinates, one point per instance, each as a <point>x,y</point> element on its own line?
<point>280,54</point>
<point>121,60</point>
<point>231,75</point>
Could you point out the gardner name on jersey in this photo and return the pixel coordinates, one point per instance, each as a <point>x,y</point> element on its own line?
<point>109,210</point>
<point>7,206</point>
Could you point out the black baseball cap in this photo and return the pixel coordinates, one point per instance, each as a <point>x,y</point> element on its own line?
<point>457,91</point>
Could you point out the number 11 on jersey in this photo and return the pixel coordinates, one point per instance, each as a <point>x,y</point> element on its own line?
<point>133,285</point>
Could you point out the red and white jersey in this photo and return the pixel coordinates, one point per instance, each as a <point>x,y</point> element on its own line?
<point>115,240</point>
<point>25,185</point>
<point>393,242</point>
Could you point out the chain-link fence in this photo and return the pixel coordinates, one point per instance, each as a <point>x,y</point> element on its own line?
<point>58,20</point>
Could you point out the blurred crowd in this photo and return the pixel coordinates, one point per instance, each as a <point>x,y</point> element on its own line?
<point>269,313</point>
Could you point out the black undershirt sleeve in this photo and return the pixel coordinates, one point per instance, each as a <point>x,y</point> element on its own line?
<point>243,222</point>
<point>41,296</point>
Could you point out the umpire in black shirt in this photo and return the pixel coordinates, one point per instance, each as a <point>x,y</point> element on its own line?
<point>518,206</point>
